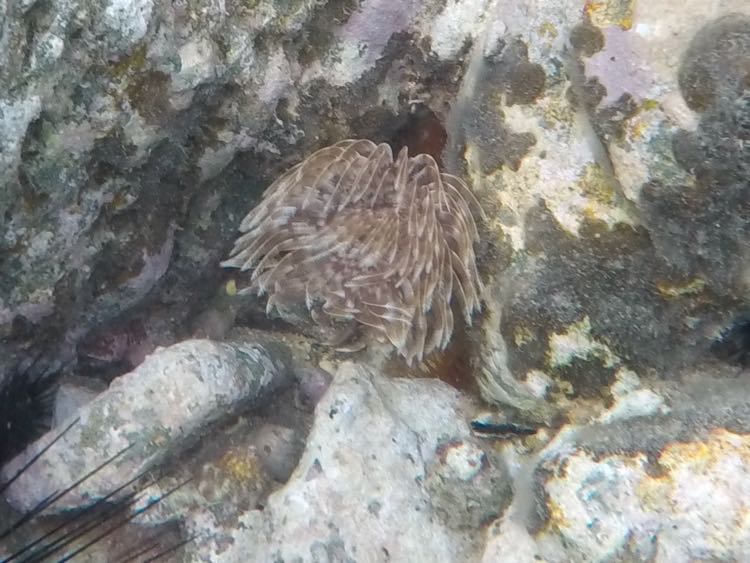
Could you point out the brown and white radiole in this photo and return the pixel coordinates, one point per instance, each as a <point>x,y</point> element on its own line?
<point>355,235</point>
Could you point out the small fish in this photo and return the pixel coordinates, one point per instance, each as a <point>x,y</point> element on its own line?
<point>501,430</point>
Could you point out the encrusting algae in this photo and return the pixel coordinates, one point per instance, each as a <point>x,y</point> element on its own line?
<point>355,235</point>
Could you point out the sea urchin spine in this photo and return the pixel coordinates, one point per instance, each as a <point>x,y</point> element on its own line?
<point>359,236</point>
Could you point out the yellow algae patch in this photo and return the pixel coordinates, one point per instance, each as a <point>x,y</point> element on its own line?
<point>600,191</point>
<point>645,123</point>
<point>522,335</point>
<point>557,519</point>
<point>556,109</point>
<point>611,12</point>
<point>671,290</point>
<point>577,342</point>
<point>241,465</point>
<point>654,493</point>
<point>231,287</point>
<point>547,29</point>
<point>598,185</point>
<point>701,458</point>
<point>638,130</point>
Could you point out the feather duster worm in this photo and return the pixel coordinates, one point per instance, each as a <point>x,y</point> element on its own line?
<point>358,236</point>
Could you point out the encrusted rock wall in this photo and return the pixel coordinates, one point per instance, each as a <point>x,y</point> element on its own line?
<point>121,124</point>
<point>609,143</point>
<point>613,148</point>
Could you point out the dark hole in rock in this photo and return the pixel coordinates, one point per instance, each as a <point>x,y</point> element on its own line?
<point>21,328</point>
<point>733,346</point>
<point>38,18</point>
<point>423,133</point>
<point>34,140</point>
<point>453,365</point>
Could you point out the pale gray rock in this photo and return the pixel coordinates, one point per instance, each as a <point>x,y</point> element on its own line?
<point>362,489</point>
<point>608,147</point>
<point>148,414</point>
<point>664,486</point>
<point>72,394</point>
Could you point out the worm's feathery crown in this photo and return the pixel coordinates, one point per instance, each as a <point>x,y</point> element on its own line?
<point>388,244</point>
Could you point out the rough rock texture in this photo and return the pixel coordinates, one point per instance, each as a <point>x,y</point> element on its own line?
<point>614,149</point>
<point>73,394</point>
<point>121,122</point>
<point>148,415</point>
<point>377,478</point>
<point>608,144</point>
<point>373,463</point>
<point>666,486</point>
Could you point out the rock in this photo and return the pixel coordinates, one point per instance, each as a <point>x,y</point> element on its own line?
<point>363,485</point>
<point>658,487</point>
<point>73,393</point>
<point>468,487</point>
<point>135,134</point>
<point>624,250</point>
<point>313,383</point>
<point>148,415</point>
<point>607,143</point>
<point>278,450</point>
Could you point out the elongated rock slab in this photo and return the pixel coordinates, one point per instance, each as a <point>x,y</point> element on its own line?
<point>153,411</point>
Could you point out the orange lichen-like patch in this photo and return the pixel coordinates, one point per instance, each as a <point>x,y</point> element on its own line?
<point>703,456</point>
<point>354,235</point>
<point>557,518</point>
<point>611,12</point>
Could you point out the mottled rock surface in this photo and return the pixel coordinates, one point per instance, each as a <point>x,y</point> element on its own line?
<point>136,134</point>
<point>371,483</point>
<point>146,416</point>
<point>608,144</point>
<point>618,187</point>
<point>668,486</point>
